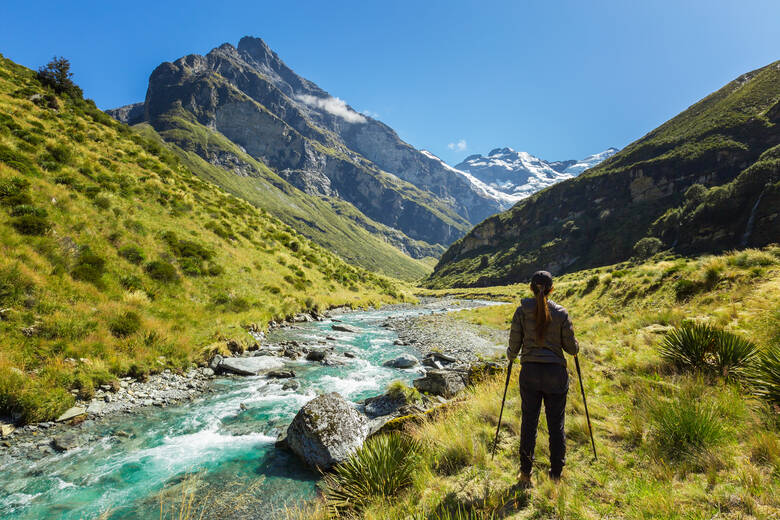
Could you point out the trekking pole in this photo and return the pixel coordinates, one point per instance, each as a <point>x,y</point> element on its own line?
<point>587,415</point>
<point>503,399</point>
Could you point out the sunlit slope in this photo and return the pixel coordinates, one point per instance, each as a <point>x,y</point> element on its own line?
<point>708,180</point>
<point>116,258</point>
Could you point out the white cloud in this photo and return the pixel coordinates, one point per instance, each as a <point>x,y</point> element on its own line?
<point>370,113</point>
<point>332,105</point>
<point>459,146</point>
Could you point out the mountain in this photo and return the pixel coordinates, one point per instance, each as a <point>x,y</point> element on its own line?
<point>517,175</point>
<point>242,110</point>
<point>707,180</point>
<point>117,259</point>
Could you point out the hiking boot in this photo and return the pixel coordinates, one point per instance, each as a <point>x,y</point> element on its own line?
<point>524,480</point>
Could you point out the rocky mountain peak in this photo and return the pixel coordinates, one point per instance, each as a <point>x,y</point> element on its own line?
<point>500,151</point>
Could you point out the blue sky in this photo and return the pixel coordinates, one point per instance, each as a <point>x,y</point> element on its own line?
<point>558,79</point>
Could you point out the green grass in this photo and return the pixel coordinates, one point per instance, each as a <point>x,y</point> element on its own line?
<point>124,269</point>
<point>671,444</point>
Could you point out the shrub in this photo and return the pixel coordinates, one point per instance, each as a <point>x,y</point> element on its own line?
<point>647,247</point>
<point>400,391</point>
<point>89,267</point>
<point>26,209</point>
<point>702,347</point>
<point>60,153</point>
<point>16,160</point>
<point>752,258</point>
<point>125,324</point>
<point>102,202</point>
<point>131,282</point>
<point>685,288</point>
<point>13,192</point>
<point>57,75</point>
<point>767,375</point>
<point>380,469</point>
<point>132,254</point>
<point>161,271</point>
<point>685,426</point>
<point>33,225</point>
<point>13,286</point>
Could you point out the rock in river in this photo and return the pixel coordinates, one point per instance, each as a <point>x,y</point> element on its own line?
<point>326,431</point>
<point>446,383</point>
<point>402,361</point>
<point>250,366</point>
<point>71,413</point>
<point>280,374</point>
<point>344,328</point>
<point>316,355</point>
<point>66,441</point>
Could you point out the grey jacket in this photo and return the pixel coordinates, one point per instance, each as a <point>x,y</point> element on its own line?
<point>558,337</point>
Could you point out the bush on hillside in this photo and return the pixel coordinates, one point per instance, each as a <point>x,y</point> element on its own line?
<point>132,254</point>
<point>686,426</point>
<point>57,75</point>
<point>383,467</point>
<point>17,161</point>
<point>13,192</point>
<point>161,271</point>
<point>89,267</point>
<point>125,324</point>
<point>13,286</point>
<point>647,247</point>
<point>32,225</point>
<point>700,347</point>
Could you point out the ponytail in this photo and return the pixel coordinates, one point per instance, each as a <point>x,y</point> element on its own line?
<point>542,311</point>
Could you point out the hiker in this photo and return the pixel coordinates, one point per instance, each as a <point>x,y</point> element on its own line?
<point>541,332</point>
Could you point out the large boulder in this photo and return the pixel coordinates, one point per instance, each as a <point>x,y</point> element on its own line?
<point>250,366</point>
<point>66,441</point>
<point>326,431</point>
<point>72,413</point>
<point>446,383</point>
<point>402,361</point>
<point>344,328</point>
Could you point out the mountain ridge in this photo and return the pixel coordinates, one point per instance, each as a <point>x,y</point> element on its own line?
<point>713,168</point>
<point>312,140</point>
<point>518,175</point>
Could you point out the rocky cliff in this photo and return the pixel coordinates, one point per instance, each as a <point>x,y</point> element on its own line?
<point>315,141</point>
<point>705,181</point>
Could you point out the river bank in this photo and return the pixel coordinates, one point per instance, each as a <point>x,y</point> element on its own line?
<point>225,425</point>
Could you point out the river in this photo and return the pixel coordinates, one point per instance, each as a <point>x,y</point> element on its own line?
<point>227,445</point>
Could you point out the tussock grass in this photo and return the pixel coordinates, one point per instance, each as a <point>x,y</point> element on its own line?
<point>671,443</point>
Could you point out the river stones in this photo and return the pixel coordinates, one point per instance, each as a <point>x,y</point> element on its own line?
<point>326,431</point>
<point>6,430</point>
<point>215,362</point>
<point>341,327</point>
<point>70,413</point>
<point>446,383</point>
<point>316,355</point>
<point>280,374</point>
<point>291,384</point>
<point>66,441</point>
<point>250,366</point>
<point>402,361</point>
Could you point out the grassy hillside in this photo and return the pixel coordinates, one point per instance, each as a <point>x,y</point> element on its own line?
<point>672,443</point>
<point>705,181</point>
<point>330,222</point>
<point>117,259</point>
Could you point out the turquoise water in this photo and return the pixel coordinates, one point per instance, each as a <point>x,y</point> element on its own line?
<point>138,456</point>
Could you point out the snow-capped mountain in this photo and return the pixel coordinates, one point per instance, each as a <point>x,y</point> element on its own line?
<point>517,175</point>
<point>590,161</point>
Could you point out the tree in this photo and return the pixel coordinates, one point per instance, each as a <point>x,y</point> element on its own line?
<point>57,75</point>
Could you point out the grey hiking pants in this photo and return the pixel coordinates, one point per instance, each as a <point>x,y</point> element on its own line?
<point>548,382</point>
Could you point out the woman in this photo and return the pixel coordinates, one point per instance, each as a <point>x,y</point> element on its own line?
<point>541,332</point>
